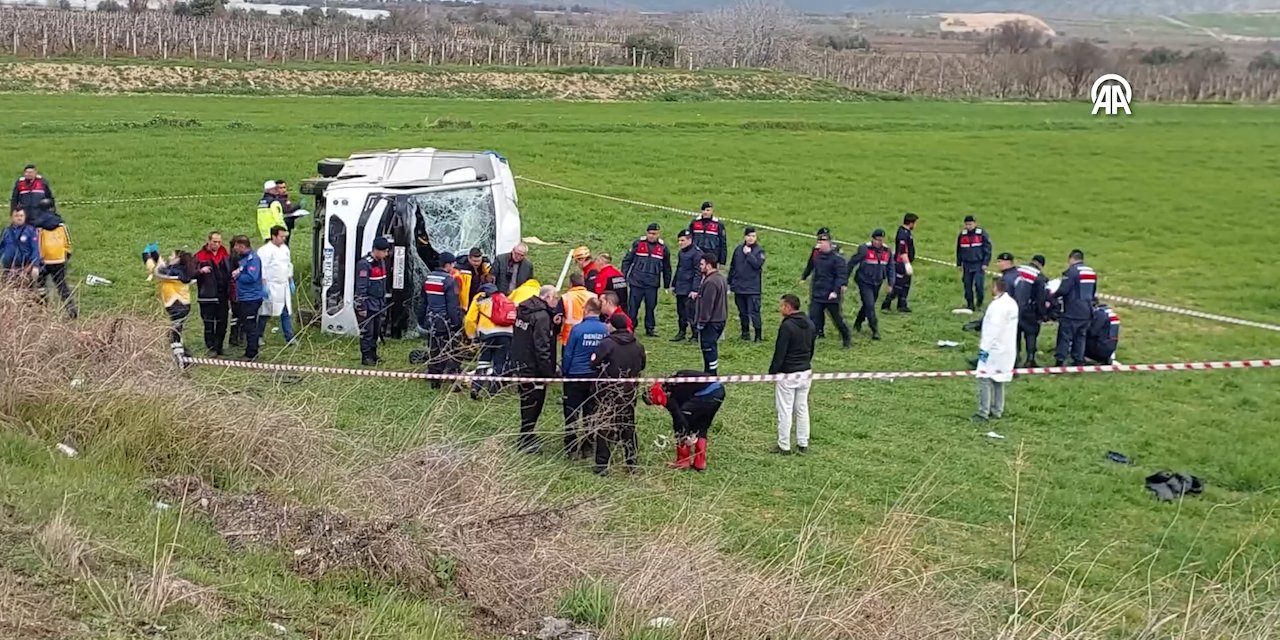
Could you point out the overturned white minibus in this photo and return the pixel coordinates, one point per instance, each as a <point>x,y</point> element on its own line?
<point>425,202</point>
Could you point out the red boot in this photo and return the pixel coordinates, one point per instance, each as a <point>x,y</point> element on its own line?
<point>684,457</point>
<point>700,455</point>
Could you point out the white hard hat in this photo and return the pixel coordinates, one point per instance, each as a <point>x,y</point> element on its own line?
<point>268,185</point>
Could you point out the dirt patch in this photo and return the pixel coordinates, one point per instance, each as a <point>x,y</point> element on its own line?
<point>319,540</point>
<point>29,610</point>
<point>961,22</point>
<point>108,79</point>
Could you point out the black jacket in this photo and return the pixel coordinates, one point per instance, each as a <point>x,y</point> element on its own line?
<point>214,286</point>
<point>27,194</point>
<point>685,394</point>
<point>620,355</point>
<point>829,274</point>
<point>709,235</point>
<point>873,264</point>
<point>533,340</point>
<point>688,271</point>
<point>793,351</point>
<point>746,270</point>
<point>904,244</point>
<point>508,275</point>
<point>648,265</point>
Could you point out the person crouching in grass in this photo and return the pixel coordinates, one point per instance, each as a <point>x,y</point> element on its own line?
<point>174,277</point>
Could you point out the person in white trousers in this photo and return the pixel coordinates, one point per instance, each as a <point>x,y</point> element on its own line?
<point>793,356</point>
<point>997,351</point>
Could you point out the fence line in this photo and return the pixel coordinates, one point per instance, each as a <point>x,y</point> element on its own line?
<point>34,34</point>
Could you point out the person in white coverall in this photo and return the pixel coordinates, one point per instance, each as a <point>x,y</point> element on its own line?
<point>997,351</point>
<point>277,274</point>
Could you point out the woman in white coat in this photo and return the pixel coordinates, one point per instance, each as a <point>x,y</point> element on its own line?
<point>277,274</point>
<point>997,352</point>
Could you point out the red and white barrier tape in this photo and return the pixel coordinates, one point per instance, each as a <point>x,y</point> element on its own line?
<point>1133,302</point>
<point>819,377</point>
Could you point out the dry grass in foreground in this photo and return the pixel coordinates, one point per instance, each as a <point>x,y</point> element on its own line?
<point>462,524</point>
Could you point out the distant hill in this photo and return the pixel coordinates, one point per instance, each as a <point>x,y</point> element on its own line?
<point>1040,7</point>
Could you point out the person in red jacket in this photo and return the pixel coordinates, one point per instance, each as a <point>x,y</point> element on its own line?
<point>608,278</point>
<point>610,309</point>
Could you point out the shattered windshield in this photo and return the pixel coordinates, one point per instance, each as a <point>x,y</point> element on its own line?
<point>456,220</point>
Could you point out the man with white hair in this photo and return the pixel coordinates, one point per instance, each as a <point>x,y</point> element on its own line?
<point>533,351</point>
<point>513,269</point>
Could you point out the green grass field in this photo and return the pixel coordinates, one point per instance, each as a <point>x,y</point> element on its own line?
<point>1260,25</point>
<point>1173,204</point>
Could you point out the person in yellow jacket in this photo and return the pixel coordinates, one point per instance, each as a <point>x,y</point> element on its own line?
<point>270,210</point>
<point>55,251</point>
<point>494,338</point>
<point>529,289</point>
<point>174,277</point>
<point>572,305</point>
<point>472,271</point>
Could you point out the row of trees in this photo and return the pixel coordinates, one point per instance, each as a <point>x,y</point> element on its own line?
<point>1014,62</point>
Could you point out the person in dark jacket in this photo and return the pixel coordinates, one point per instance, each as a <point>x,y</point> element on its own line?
<point>29,190</point>
<point>973,255</point>
<point>513,269</point>
<point>904,254</point>
<point>1008,270</point>
<point>709,235</point>
<point>608,278</point>
<point>688,279</point>
<point>1029,291</point>
<point>250,292</point>
<point>648,269</point>
<point>371,299</point>
<point>1077,292</point>
<point>746,275</point>
<point>213,291</point>
<point>579,397</point>
<point>873,265</point>
<point>713,312</point>
<point>693,407</point>
<point>1103,336</point>
<point>534,353</point>
<point>793,354</point>
<point>20,251</point>
<point>620,355</point>
<point>441,318</point>
<point>817,248</point>
<point>826,291</point>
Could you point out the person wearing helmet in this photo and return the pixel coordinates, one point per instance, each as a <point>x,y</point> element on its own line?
<point>693,407</point>
<point>582,257</point>
<point>270,210</point>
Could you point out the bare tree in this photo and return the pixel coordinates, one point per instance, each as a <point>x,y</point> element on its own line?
<point>1199,66</point>
<point>1032,71</point>
<point>1077,61</point>
<point>1015,36</point>
<point>407,18</point>
<point>752,33</point>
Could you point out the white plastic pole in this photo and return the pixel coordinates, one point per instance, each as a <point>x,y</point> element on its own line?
<point>568,259</point>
